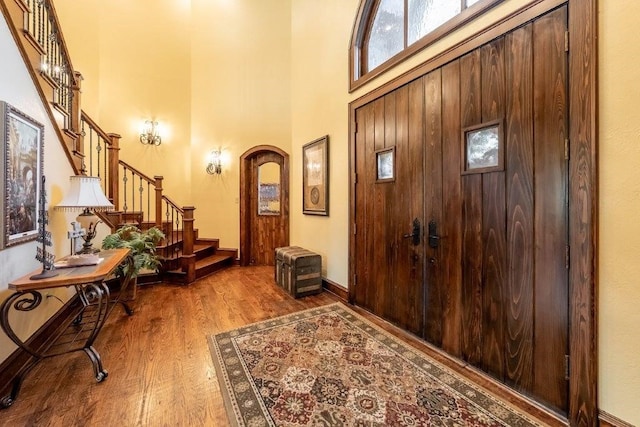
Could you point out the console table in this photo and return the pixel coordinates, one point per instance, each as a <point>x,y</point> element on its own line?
<point>88,314</point>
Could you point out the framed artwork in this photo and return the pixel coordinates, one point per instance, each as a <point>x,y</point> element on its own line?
<point>483,148</point>
<point>22,150</point>
<point>385,165</point>
<point>315,177</point>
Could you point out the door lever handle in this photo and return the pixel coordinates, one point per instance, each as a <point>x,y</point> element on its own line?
<point>415,234</point>
<point>434,239</point>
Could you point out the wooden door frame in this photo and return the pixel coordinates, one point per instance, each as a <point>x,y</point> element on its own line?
<point>245,193</point>
<point>583,195</point>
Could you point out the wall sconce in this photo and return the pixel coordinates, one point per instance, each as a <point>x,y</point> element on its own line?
<point>215,162</point>
<point>150,134</point>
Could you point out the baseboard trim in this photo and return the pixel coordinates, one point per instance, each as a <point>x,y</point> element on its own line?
<point>40,340</point>
<point>335,289</point>
<point>608,420</point>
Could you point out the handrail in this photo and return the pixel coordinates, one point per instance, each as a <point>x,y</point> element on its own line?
<point>173,204</point>
<point>136,171</point>
<point>96,127</point>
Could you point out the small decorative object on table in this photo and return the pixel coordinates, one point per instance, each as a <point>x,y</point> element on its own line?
<point>44,237</point>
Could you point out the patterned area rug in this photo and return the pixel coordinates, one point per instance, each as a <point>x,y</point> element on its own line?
<point>331,367</point>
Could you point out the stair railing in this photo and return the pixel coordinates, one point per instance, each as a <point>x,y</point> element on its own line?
<point>91,150</point>
<point>42,27</point>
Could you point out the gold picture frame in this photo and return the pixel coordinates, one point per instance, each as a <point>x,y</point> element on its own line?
<point>315,177</point>
<point>21,176</point>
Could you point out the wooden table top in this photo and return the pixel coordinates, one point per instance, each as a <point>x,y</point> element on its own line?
<point>74,275</point>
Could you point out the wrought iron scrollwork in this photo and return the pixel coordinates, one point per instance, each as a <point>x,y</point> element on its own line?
<point>20,301</point>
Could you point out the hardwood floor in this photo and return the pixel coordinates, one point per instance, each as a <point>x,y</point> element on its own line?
<point>160,368</point>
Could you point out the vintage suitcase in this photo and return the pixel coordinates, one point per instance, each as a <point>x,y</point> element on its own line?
<point>298,271</point>
<point>279,257</point>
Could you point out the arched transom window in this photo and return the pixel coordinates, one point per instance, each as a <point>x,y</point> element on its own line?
<point>388,31</point>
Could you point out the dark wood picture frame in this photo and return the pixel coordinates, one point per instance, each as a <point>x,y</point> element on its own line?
<point>315,177</point>
<point>498,165</point>
<point>21,176</point>
<point>386,165</point>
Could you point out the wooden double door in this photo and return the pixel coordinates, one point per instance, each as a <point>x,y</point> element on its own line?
<point>460,208</point>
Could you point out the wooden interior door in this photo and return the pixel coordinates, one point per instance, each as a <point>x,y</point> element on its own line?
<point>495,287</point>
<point>264,207</point>
<point>389,276</point>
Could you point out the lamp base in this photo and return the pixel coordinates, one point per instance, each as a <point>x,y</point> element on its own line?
<point>87,249</point>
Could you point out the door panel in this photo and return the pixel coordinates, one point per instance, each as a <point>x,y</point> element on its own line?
<point>451,237</point>
<point>493,291</point>
<point>471,114</point>
<point>263,228</point>
<point>493,218</point>
<point>389,281</point>
<point>433,206</point>
<point>520,201</point>
<point>551,207</point>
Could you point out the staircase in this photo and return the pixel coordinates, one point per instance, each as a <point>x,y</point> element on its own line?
<point>137,197</point>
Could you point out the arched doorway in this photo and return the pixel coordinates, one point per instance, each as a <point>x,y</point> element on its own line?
<point>264,204</point>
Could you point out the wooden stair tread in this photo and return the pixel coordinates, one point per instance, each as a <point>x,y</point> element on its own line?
<point>206,262</point>
<point>212,259</point>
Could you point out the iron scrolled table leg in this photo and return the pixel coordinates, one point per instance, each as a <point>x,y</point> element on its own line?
<point>99,372</point>
<point>20,301</point>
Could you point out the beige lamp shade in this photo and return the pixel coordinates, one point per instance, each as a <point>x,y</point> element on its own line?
<point>85,192</point>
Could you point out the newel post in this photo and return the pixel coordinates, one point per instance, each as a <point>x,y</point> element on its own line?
<point>158,186</point>
<point>113,150</point>
<point>188,257</point>
<point>76,111</point>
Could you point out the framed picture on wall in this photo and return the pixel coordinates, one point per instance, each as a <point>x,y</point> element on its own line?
<point>22,164</point>
<point>315,177</point>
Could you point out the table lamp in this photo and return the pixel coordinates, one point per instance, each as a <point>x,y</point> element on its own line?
<point>86,194</point>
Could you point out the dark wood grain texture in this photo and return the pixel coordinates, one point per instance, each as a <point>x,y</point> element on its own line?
<point>528,108</point>
<point>434,282</point>
<point>471,114</point>
<point>393,229</point>
<point>402,206</point>
<point>519,164</point>
<point>379,280</point>
<point>367,173</point>
<point>550,212</point>
<point>583,211</point>
<point>451,252</point>
<point>493,218</point>
<point>415,187</point>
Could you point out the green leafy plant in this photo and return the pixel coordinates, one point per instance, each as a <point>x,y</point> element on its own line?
<point>142,244</point>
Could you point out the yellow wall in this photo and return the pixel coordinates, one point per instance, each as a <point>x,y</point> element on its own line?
<point>240,98</point>
<point>214,74</point>
<point>619,234</point>
<point>275,72</point>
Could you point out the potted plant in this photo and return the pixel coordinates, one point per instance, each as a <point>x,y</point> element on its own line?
<point>142,244</point>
